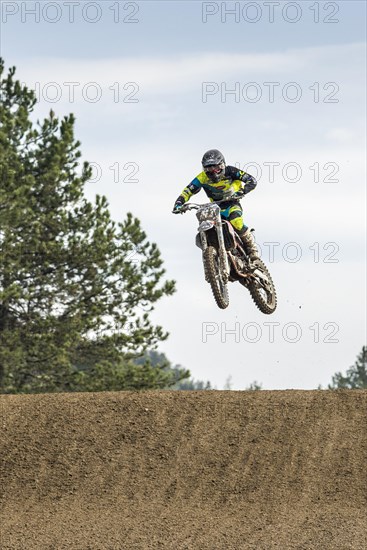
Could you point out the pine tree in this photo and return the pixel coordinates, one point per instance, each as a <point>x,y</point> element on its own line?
<point>356,375</point>
<point>71,299</point>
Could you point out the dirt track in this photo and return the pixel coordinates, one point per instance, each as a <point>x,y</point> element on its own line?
<point>184,470</point>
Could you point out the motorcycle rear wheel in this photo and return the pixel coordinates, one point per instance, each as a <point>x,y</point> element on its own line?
<point>212,271</point>
<point>264,298</point>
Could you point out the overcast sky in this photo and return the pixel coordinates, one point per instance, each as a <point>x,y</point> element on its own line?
<point>279,88</point>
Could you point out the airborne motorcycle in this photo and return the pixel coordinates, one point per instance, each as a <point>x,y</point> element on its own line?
<point>225,258</point>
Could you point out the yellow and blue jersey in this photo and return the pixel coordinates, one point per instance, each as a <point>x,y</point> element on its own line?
<point>233,179</point>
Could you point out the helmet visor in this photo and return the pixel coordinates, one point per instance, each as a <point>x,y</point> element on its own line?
<point>213,168</point>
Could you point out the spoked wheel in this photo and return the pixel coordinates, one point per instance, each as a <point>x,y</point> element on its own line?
<point>213,274</point>
<point>262,288</point>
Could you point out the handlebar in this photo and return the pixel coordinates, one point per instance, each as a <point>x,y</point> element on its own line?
<point>194,206</point>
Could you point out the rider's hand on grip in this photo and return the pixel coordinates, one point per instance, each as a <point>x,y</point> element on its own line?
<point>177,209</point>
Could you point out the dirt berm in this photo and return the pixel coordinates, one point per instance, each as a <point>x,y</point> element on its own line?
<point>184,470</point>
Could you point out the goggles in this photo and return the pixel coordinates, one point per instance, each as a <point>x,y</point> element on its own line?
<point>213,169</point>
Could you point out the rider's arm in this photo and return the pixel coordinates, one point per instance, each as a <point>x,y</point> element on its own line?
<point>193,188</point>
<point>249,181</point>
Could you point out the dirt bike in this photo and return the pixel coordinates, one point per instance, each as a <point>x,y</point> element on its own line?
<point>225,258</point>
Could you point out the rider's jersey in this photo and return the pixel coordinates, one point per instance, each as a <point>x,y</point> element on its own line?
<point>233,178</point>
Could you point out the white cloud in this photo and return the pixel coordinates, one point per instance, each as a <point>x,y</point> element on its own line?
<point>340,135</point>
<point>169,74</point>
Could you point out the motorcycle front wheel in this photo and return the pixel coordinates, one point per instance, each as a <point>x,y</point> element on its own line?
<point>213,275</point>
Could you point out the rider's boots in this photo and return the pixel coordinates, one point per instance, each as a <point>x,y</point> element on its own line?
<point>250,245</point>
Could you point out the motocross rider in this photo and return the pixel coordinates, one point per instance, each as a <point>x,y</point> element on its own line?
<point>220,181</point>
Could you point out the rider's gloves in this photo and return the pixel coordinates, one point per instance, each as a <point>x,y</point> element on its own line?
<point>178,205</point>
<point>240,194</point>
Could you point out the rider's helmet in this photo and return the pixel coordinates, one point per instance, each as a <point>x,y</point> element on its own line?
<point>214,165</point>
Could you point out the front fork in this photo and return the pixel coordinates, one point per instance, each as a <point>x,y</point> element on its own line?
<point>223,258</point>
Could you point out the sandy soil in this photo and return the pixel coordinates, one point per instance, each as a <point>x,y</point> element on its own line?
<point>184,471</point>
